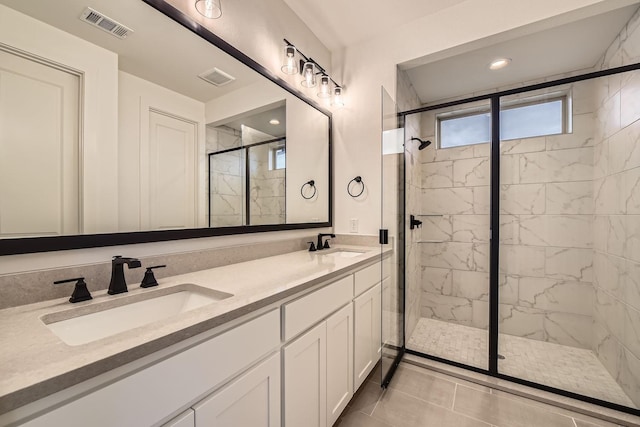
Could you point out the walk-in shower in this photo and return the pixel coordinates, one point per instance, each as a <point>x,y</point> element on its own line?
<point>527,264</point>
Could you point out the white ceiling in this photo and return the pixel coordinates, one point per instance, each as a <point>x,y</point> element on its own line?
<point>159,50</point>
<point>340,23</point>
<point>570,47</point>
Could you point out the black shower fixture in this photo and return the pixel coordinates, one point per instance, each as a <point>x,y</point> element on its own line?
<point>423,144</point>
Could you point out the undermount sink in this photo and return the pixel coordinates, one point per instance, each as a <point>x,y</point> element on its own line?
<point>343,253</point>
<point>90,323</point>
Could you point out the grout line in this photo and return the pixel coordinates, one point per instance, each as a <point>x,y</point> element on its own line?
<point>574,422</point>
<point>455,392</point>
<point>377,401</point>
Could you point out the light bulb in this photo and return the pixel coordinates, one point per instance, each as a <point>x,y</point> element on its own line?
<point>308,72</point>
<point>211,9</point>
<point>338,101</point>
<point>324,87</point>
<point>289,65</point>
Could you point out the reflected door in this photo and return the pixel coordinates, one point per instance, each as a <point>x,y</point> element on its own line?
<point>392,239</point>
<point>172,172</point>
<point>39,189</point>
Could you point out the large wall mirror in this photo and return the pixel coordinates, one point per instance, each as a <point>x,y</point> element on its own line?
<point>119,125</point>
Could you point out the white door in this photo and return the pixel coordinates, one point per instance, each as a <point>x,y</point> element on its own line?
<point>339,362</point>
<point>305,380</point>
<point>172,174</point>
<point>251,400</point>
<point>366,349</point>
<point>39,146</point>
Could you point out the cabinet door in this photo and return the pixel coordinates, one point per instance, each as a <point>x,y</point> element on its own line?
<point>186,419</point>
<point>305,380</point>
<point>251,400</point>
<point>339,362</point>
<point>367,332</point>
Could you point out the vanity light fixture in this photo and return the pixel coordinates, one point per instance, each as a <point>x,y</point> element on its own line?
<point>211,9</point>
<point>309,70</point>
<point>499,63</point>
<point>289,65</point>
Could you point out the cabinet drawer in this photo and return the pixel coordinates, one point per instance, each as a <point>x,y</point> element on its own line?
<point>310,309</point>
<point>366,278</point>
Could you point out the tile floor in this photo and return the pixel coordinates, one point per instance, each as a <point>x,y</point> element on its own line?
<point>418,397</point>
<point>568,368</point>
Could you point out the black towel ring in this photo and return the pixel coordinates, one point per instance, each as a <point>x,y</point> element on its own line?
<point>357,179</point>
<point>311,184</point>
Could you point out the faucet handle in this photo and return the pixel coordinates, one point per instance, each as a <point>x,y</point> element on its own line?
<point>149,279</point>
<point>312,248</point>
<point>80,292</point>
<point>326,244</point>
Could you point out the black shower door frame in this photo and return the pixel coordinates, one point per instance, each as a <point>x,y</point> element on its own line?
<point>494,233</point>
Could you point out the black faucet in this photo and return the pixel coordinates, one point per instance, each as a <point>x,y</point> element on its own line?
<point>320,245</point>
<point>118,285</point>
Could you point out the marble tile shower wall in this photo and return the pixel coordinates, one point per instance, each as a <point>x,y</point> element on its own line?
<point>616,184</point>
<point>226,195</point>
<point>408,99</point>
<point>267,193</point>
<point>546,290</point>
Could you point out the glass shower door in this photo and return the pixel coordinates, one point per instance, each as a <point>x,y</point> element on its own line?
<point>392,239</point>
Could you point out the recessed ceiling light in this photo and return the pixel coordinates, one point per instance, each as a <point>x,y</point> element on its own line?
<point>274,121</point>
<point>499,63</point>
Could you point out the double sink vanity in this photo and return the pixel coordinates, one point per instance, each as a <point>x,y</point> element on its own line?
<point>283,340</point>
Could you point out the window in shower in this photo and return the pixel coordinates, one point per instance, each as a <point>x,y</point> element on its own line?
<point>520,118</point>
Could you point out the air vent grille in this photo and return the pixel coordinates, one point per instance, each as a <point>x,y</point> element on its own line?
<point>105,23</point>
<point>216,77</point>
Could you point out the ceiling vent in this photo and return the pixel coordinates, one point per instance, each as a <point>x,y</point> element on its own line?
<point>105,23</point>
<point>216,77</point>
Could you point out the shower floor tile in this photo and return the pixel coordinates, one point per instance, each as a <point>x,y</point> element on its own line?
<point>568,368</point>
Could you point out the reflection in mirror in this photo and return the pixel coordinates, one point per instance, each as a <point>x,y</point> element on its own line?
<point>247,169</point>
<point>126,128</point>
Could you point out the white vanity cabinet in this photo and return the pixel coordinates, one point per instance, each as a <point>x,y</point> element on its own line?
<point>297,365</point>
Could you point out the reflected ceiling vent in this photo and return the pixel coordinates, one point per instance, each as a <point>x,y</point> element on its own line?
<point>216,77</point>
<point>105,23</point>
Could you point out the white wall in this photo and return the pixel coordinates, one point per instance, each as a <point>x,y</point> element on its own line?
<point>99,110</point>
<point>366,66</point>
<point>136,96</point>
<point>307,159</point>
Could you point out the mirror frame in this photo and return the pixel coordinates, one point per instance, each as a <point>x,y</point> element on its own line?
<point>81,241</point>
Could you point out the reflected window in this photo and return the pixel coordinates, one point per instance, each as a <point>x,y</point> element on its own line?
<point>522,119</point>
<point>277,157</point>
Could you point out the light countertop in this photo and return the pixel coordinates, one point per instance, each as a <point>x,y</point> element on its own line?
<point>35,363</point>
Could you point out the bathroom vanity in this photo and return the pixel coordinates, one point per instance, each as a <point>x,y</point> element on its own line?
<point>288,343</point>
